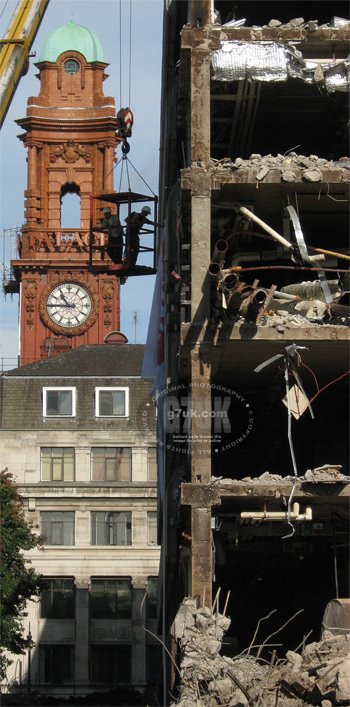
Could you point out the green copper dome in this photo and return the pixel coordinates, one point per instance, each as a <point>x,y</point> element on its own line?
<point>72,37</point>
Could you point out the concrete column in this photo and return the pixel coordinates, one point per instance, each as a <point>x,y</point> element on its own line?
<point>200,104</point>
<point>200,12</point>
<point>201,554</point>
<point>139,636</point>
<point>82,630</point>
<point>201,424</point>
<point>200,253</point>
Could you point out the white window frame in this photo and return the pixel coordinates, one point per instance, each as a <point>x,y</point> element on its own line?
<point>59,388</point>
<point>111,389</point>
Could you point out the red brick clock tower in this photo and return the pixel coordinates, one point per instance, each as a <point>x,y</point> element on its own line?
<point>70,135</point>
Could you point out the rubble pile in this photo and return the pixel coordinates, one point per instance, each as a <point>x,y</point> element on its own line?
<point>328,473</point>
<point>290,165</point>
<point>299,22</point>
<point>282,320</point>
<point>320,675</point>
<point>325,474</point>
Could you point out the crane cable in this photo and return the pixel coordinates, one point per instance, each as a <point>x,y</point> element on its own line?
<point>4,8</point>
<point>120,52</point>
<point>130,38</point>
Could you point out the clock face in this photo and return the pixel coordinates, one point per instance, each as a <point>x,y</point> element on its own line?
<point>68,308</point>
<point>69,304</point>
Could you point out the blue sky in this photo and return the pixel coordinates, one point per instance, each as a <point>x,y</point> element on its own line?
<point>103,17</point>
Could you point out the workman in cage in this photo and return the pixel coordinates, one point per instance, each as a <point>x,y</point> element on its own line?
<point>112,224</point>
<point>134,224</point>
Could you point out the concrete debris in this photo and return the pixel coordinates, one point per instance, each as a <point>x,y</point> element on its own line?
<point>325,474</point>
<point>297,22</point>
<point>328,473</point>
<point>282,320</point>
<point>317,676</point>
<point>274,23</point>
<point>310,167</point>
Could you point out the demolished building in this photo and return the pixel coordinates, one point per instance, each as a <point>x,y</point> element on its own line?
<point>253,403</point>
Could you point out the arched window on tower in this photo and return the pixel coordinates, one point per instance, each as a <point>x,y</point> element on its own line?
<point>70,206</point>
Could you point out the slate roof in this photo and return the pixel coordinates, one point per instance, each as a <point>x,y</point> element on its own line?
<point>96,360</point>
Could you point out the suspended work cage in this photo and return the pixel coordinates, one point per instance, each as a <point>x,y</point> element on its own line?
<point>123,226</point>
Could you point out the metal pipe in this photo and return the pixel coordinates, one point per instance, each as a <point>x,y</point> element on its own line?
<point>283,295</point>
<point>339,310</point>
<point>215,271</point>
<point>276,236</point>
<point>220,249</point>
<point>235,300</point>
<point>230,281</point>
<point>252,302</point>
<point>260,256</point>
<point>279,515</point>
<point>259,297</point>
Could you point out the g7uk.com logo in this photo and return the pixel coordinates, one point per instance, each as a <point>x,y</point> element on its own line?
<point>178,414</point>
<point>201,417</point>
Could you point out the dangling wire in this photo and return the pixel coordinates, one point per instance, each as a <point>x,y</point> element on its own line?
<point>290,440</point>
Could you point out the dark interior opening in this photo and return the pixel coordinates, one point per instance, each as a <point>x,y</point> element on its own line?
<point>260,13</point>
<point>283,576</point>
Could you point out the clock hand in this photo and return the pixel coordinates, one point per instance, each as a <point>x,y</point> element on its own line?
<point>63,297</point>
<point>59,304</point>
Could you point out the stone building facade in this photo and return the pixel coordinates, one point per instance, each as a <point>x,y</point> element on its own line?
<point>78,434</point>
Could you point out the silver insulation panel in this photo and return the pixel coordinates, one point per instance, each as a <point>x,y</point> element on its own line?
<point>271,61</point>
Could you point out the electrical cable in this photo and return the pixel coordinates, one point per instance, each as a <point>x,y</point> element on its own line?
<point>328,384</point>
<point>312,373</point>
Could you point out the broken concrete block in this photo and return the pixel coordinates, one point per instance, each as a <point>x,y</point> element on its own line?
<point>262,173</point>
<point>223,686</point>
<point>342,692</point>
<point>288,176</point>
<point>213,647</point>
<point>238,699</point>
<point>297,22</point>
<point>312,175</point>
<point>274,23</point>
<point>295,659</point>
